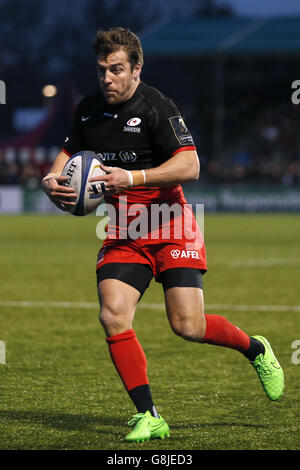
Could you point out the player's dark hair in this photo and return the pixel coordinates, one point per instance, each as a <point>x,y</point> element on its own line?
<point>113,39</point>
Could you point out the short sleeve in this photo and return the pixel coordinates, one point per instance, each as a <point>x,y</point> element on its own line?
<point>170,133</point>
<point>75,140</point>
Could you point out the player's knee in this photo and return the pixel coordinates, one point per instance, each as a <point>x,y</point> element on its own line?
<point>189,329</point>
<point>112,318</point>
<point>109,319</point>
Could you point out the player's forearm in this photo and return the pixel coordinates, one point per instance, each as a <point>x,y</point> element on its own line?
<point>59,163</point>
<point>56,170</point>
<point>182,168</point>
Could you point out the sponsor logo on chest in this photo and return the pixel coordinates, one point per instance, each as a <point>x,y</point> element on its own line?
<point>126,156</point>
<point>131,125</point>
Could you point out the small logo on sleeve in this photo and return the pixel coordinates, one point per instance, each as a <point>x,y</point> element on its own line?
<point>181,131</point>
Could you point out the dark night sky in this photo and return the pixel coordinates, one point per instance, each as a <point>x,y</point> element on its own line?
<point>264,7</point>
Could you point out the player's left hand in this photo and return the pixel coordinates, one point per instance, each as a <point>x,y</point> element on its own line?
<point>116,179</point>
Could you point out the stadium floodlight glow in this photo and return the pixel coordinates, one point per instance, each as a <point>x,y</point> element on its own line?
<point>49,91</point>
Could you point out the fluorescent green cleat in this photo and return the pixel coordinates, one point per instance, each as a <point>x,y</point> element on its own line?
<point>269,371</point>
<point>147,427</point>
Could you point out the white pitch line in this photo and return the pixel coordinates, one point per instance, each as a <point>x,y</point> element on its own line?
<point>256,263</point>
<point>261,308</point>
<point>147,306</point>
<point>34,304</point>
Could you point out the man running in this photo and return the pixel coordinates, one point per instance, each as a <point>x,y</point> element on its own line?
<point>147,152</point>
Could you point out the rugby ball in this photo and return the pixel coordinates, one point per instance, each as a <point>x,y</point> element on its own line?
<point>82,166</point>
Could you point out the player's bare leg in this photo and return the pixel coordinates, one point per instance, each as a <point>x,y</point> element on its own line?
<point>118,303</point>
<point>185,310</point>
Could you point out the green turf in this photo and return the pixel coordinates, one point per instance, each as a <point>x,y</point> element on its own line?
<point>59,390</point>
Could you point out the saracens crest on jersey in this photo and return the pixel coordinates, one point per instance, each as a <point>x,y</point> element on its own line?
<point>131,125</point>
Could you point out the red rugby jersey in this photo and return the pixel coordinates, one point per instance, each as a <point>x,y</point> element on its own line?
<point>141,133</point>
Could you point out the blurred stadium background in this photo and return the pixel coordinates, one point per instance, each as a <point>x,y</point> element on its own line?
<point>231,74</point>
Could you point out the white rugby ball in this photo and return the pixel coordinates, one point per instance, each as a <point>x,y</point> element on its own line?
<point>82,166</point>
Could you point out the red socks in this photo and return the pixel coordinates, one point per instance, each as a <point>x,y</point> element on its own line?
<point>131,363</point>
<point>220,332</point>
<point>129,359</point>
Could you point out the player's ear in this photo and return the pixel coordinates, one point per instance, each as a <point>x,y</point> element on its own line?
<point>137,71</point>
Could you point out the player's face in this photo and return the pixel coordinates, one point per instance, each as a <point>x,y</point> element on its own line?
<point>117,80</point>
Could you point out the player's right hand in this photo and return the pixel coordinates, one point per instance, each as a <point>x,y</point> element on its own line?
<point>59,194</point>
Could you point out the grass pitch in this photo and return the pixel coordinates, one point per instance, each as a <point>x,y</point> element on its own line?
<point>59,389</point>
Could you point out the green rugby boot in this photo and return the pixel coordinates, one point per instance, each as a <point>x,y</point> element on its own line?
<point>269,371</point>
<point>147,427</point>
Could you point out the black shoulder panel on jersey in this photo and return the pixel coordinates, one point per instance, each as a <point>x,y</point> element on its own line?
<point>168,127</point>
<point>142,132</point>
<point>155,99</point>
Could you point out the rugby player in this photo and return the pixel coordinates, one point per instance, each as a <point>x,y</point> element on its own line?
<point>147,152</point>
